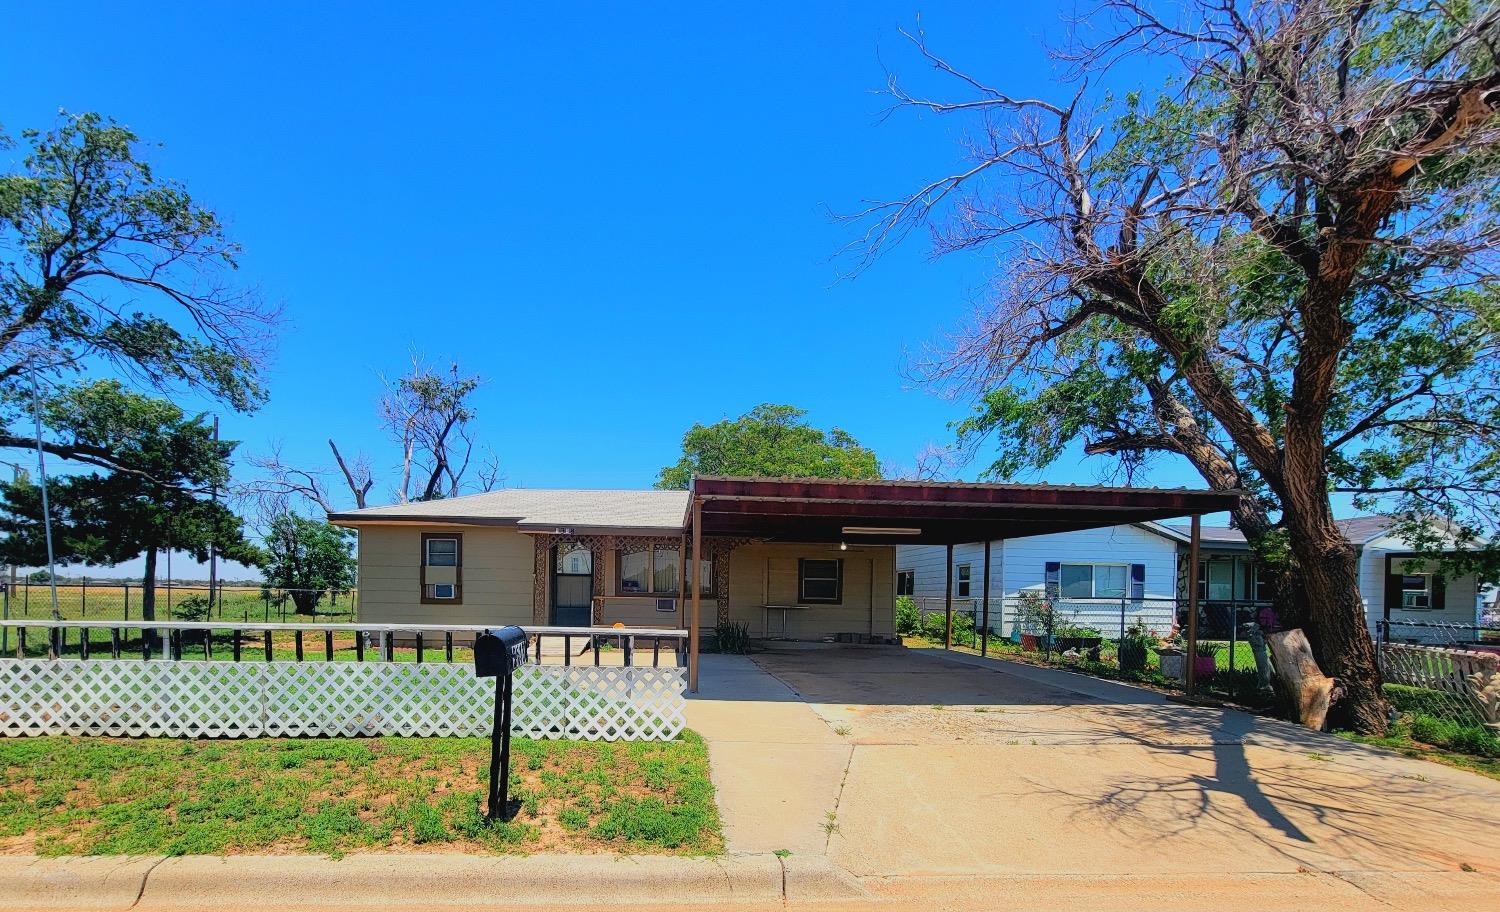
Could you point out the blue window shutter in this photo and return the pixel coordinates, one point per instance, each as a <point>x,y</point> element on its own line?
<point>1051,579</point>
<point>1137,581</point>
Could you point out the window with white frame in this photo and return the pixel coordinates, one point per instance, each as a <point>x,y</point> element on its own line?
<point>1416,591</point>
<point>906,582</point>
<point>963,579</point>
<point>1093,580</point>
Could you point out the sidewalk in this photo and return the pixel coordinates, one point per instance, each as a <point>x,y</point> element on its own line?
<point>777,768</point>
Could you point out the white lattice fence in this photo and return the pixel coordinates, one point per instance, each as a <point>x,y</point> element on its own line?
<point>289,699</point>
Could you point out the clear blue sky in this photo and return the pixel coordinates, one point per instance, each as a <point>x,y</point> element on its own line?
<point>616,214</point>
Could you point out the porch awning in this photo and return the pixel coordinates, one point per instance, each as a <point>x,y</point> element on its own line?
<point>927,512</point>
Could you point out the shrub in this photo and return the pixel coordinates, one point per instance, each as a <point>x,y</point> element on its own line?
<point>935,628</point>
<point>192,608</point>
<point>908,617</point>
<point>731,637</point>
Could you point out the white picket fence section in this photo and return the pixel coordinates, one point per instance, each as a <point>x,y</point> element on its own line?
<point>1470,676</point>
<point>308,699</point>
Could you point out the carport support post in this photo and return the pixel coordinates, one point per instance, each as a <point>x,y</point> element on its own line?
<point>697,595</point>
<point>1190,660</point>
<point>984,635</point>
<point>948,603</point>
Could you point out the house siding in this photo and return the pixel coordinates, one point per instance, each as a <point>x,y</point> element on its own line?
<point>763,574</point>
<point>1460,601</point>
<point>497,576</point>
<point>1019,564</point>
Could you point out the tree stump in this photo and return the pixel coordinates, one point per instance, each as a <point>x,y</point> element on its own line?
<point>1311,692</point>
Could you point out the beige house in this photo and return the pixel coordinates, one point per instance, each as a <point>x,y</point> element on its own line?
<point>575,558</point>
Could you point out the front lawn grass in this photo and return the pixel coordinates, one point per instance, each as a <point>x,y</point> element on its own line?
<point>106,796</point>
<point>1399,739</point>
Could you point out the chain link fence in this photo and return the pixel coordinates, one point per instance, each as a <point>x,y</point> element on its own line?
<point>1443,682</point>
<point>82,600</point>
<point>1133,639</point>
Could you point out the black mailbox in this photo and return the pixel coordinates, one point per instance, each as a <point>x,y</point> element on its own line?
<point>500,652</point>
<point>497,654</point>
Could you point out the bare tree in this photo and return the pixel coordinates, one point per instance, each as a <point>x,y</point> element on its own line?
<point>1281,268</point>
<point>427,415</point>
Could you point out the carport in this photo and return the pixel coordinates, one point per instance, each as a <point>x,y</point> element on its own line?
<point>924,512</point>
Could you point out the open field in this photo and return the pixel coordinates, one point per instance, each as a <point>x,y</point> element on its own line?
<point>122,601</point>
<point>97,796</point>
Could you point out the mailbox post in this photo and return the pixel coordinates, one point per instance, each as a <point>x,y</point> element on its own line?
<point>497,655</point>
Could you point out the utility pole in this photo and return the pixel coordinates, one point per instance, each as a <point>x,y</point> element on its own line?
<point>213,544</point>
<point>41,464</point>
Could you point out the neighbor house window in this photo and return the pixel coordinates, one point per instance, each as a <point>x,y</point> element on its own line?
<point>1093,580</point>
<point>1216,580</point>
<point>964,576</point>
<point>906,582</point>
<point>820,581</point>
<point>1416,591</point>
<point>655,572</point>
<point>1260,583</point>
<point>442,567</point>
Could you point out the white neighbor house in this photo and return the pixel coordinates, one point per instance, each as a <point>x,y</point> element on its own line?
<point>1091,573</point>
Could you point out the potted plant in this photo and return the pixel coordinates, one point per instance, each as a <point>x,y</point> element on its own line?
<point>1034,621</point>
<point>1206,661</point>
<point>1074,636</point>
<point>1132,653</point>
<point>1171,656</point>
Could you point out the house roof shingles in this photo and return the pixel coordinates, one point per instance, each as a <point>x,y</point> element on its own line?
<point>529,507</point>
<point>1357,531</point>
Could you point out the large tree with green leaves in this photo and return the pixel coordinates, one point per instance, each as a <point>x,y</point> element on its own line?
<point>108,268</point>
<point>768,440</point>
<point>1279,266</point>
<point>160,501</point>
<point>308,557</point>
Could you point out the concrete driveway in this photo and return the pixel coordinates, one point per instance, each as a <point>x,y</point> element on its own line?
<point>913,763</point>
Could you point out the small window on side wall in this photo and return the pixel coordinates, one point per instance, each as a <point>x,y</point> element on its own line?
<point>906,582</point>
<point>820,582</point>
<point>442,591</point>
<point>964,578</point>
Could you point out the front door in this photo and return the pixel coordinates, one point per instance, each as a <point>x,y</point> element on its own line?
<point>572,586</point>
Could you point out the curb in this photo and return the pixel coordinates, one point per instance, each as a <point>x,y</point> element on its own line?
<point>435,880</point>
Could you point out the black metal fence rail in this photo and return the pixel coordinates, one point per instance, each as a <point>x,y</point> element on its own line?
<point>188,640</point>
<point>1439,633</point>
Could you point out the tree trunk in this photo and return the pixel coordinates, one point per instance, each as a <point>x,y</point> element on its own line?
<point>1328,571</point>
<point>148,586</point>
<point>305,600</point>
<point>1310,691</point>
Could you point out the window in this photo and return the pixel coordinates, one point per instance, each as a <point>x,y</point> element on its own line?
<point>1416,591</point>
<point>1260,583</point>
<point>1216,580</point>
<point>441,572</point>
<point>442,552</point>
<point>820,581</point>
<point>1093,580</point>
<point>655,572</point>
<point>575,561</point>
<point>906,582</point>
<point>964,577</point>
